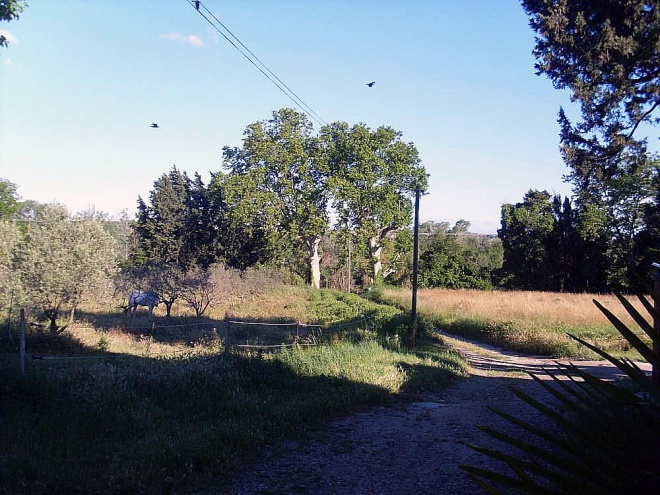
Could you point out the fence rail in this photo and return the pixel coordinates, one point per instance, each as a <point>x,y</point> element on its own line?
<point>300,334</point>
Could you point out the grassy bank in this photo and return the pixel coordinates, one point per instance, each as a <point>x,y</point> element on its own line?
<point>115,411</point>
<point>531,322</point>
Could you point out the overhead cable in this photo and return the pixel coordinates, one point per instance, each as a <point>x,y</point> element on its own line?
<point>254,60</point>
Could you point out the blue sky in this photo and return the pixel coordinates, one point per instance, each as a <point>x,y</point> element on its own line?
<point>83,80</point>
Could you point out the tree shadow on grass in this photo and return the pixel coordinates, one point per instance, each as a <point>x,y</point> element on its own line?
<point>147,425</point>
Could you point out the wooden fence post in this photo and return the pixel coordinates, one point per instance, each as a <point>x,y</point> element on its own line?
<point>227,332</point>
<point>22,344</point>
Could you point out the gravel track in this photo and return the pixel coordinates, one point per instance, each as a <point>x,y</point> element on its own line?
<point>406,448</point>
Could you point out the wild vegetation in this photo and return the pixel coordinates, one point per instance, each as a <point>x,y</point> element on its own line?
<point>530,322</point>
<point>112,409</point>
<point>117,405</point>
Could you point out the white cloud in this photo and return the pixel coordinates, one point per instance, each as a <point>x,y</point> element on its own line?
<point>190,39</point>
<point>8,61</point>
<point>11,39</point>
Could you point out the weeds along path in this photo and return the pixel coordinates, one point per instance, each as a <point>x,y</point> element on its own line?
<point>406,448</point>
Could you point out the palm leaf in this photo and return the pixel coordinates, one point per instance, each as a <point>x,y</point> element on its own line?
<point>639,319</point>
<point>509,481</point>
<point>630,336</point>
<point>572,472</point>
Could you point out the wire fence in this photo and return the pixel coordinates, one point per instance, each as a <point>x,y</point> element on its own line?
<point>229,334</point>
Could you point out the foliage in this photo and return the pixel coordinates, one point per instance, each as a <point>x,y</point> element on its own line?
<point>604,52</point>
<point>611,434</point>
<point>550,245</point>
<point>180,224</point>
<point>9,11</point>
<point>249,227</point>
<point>63,261</point>
<point>374,175</point>
<point>453,258</point>
<point>9,204</point>
<point>285,165</point>
<point>10,239</point>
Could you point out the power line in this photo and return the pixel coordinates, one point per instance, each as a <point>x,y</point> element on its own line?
<point>253,59</point>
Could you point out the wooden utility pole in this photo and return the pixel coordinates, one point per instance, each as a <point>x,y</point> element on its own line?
<point>349,262</point>
<point>415,331</point>
<point>655,372</point>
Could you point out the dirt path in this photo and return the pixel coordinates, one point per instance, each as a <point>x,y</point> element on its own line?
<point>413,448</point>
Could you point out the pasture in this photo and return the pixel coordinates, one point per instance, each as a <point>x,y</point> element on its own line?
<point>120,406</point>
<point>535,323</point>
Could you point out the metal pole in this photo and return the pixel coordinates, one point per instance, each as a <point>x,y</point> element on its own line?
<point>415,266</point>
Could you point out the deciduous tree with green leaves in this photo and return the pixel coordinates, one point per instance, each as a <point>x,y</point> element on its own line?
<point>373,176</point>
<point>285,166</point>
<point>9,204</point>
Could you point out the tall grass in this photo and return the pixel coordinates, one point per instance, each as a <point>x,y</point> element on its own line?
<point>124,412</point>
<point>531,322</point>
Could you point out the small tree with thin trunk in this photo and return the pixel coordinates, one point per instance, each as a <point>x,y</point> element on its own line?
<point>198,290</point>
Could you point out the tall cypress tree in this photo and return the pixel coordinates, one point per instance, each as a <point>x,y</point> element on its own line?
<point>162,225</point>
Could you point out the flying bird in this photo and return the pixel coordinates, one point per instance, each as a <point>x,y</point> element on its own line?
<point>371,84</point>
<point>154,126</point>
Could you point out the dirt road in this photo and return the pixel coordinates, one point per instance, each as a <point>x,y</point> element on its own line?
<point>412,448</point>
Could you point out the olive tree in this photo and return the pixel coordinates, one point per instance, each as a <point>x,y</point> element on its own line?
<point>10,238</point>
<point>63,261</point>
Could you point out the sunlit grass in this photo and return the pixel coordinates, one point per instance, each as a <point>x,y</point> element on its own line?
<point>122,407</point>
<point>532,322</point>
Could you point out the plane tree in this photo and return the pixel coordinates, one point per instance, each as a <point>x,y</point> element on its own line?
<point>283,167</point>
<point>373,176</point>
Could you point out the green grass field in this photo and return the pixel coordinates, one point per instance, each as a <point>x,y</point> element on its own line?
<point>110,409</point>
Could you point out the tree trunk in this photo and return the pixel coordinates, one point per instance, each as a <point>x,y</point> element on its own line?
<point>376,249</point>
<point>52,316</point>
<point>314,261</point>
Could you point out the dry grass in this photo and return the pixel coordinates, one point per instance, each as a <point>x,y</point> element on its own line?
<point>535,322</point>
<point>552,308</point>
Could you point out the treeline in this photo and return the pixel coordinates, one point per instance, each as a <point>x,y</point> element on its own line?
<point>553,244</point>
<point>313,203</point>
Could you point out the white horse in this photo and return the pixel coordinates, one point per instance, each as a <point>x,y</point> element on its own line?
<point>141,298</point>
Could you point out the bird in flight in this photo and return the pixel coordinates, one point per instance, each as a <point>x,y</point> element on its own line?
<point>154,126</point>
<point>371,84</point>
